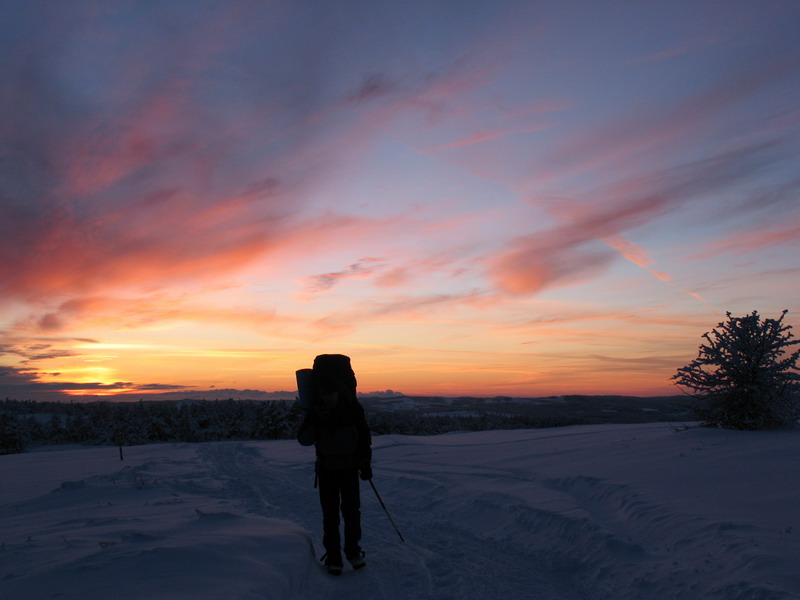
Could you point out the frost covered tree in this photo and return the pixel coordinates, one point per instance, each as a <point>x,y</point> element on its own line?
<point>743,377</point>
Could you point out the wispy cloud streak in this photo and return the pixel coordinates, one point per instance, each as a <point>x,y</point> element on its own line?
<point>322,283</point>
<point>572,250</point>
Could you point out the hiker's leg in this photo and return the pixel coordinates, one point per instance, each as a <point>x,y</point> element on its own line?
<point>351,511</point>
<point>329,501</point>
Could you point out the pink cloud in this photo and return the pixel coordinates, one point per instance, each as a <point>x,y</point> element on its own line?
<point>117,313</point>
<point>151,241</point>
<point>665,277</point>
<point>630,251</point>
<point>534,263</point>
<point>571,251</point>
<point>743,242</point>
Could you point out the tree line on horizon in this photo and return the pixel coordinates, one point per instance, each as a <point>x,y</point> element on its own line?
<point>27,423</point>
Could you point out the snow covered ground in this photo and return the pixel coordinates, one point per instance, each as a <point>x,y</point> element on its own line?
<point>585,512</point>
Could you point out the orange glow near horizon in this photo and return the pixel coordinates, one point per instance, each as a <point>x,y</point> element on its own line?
<point>556,360</point>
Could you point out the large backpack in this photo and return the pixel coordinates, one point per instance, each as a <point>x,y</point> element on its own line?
<point>330,372</point>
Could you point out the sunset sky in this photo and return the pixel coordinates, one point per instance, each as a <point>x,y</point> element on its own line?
<point>468,198</point>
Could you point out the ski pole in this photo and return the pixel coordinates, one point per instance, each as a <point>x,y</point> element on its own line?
<point>391,520</point>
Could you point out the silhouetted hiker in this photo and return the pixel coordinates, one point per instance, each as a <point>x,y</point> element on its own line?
<point>336,425</point>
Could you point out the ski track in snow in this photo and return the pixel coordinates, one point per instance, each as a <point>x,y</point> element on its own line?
<point>441,562</point>
<point>593,512</point>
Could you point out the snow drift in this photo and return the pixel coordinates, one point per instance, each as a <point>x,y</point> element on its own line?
<point>605,511</point>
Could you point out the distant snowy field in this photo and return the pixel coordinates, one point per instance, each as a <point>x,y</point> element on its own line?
<point>585,512</point>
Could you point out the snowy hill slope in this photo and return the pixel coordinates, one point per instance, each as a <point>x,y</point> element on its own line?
<point>587,512</point>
